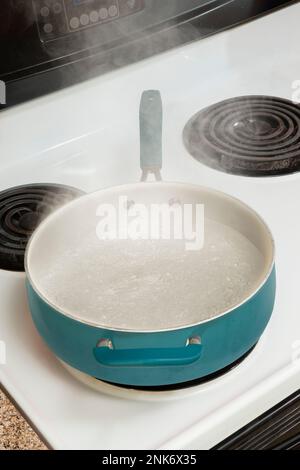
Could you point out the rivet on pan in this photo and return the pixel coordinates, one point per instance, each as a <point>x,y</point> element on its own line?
<point>193,340</point>
<point>174,202</point>
<point>105,343</point>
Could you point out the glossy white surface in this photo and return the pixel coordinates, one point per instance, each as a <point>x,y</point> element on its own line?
<point>88,136</point>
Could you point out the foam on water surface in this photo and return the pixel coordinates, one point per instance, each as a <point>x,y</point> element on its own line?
<point>154,284</point>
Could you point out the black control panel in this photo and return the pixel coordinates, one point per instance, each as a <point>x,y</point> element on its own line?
<point>56,18</point>
<point>46,45</point>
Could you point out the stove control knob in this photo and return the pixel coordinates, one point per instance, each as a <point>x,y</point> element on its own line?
<point>84,19</point>
<point>74,22</point>
<point>57,8</point>
<point>113,10</point>
<point>48,28</point>
<point>94,16</point>
<point>44,12</point>
<point>103,13</point>
<point>131,4</point>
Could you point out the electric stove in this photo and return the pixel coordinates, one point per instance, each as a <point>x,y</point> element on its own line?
<point>87,137</point>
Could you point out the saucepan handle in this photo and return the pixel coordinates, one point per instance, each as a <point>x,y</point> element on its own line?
<point>151,117</point>
<point>148,357</point>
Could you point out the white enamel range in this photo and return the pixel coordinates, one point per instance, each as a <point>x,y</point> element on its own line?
<point>87,137</point>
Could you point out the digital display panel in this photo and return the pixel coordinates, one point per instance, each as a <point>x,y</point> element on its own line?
<point>60,17</point>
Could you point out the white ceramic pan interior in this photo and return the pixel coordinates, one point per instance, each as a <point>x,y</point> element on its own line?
<point>149,285</point>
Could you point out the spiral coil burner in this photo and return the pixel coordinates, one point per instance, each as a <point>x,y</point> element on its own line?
<point>247,135</point>
<point>22,208</point>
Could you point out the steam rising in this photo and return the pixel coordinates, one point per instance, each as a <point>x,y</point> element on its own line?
<point>147,284</point>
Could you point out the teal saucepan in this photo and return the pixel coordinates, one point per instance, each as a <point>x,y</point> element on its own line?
<point>116,297</point>
<point>150,312</point>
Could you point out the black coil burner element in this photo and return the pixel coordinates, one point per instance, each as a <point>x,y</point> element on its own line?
<point>22,208</point>
<point>190,383</point>
<point>247,135</point>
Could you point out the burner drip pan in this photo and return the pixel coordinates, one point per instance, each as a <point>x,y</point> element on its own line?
<point>247,135</point>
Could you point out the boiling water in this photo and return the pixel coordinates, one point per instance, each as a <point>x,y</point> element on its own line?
<point>148,285</point>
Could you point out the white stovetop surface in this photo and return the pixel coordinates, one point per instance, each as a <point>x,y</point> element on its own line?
<point>88,136</point>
